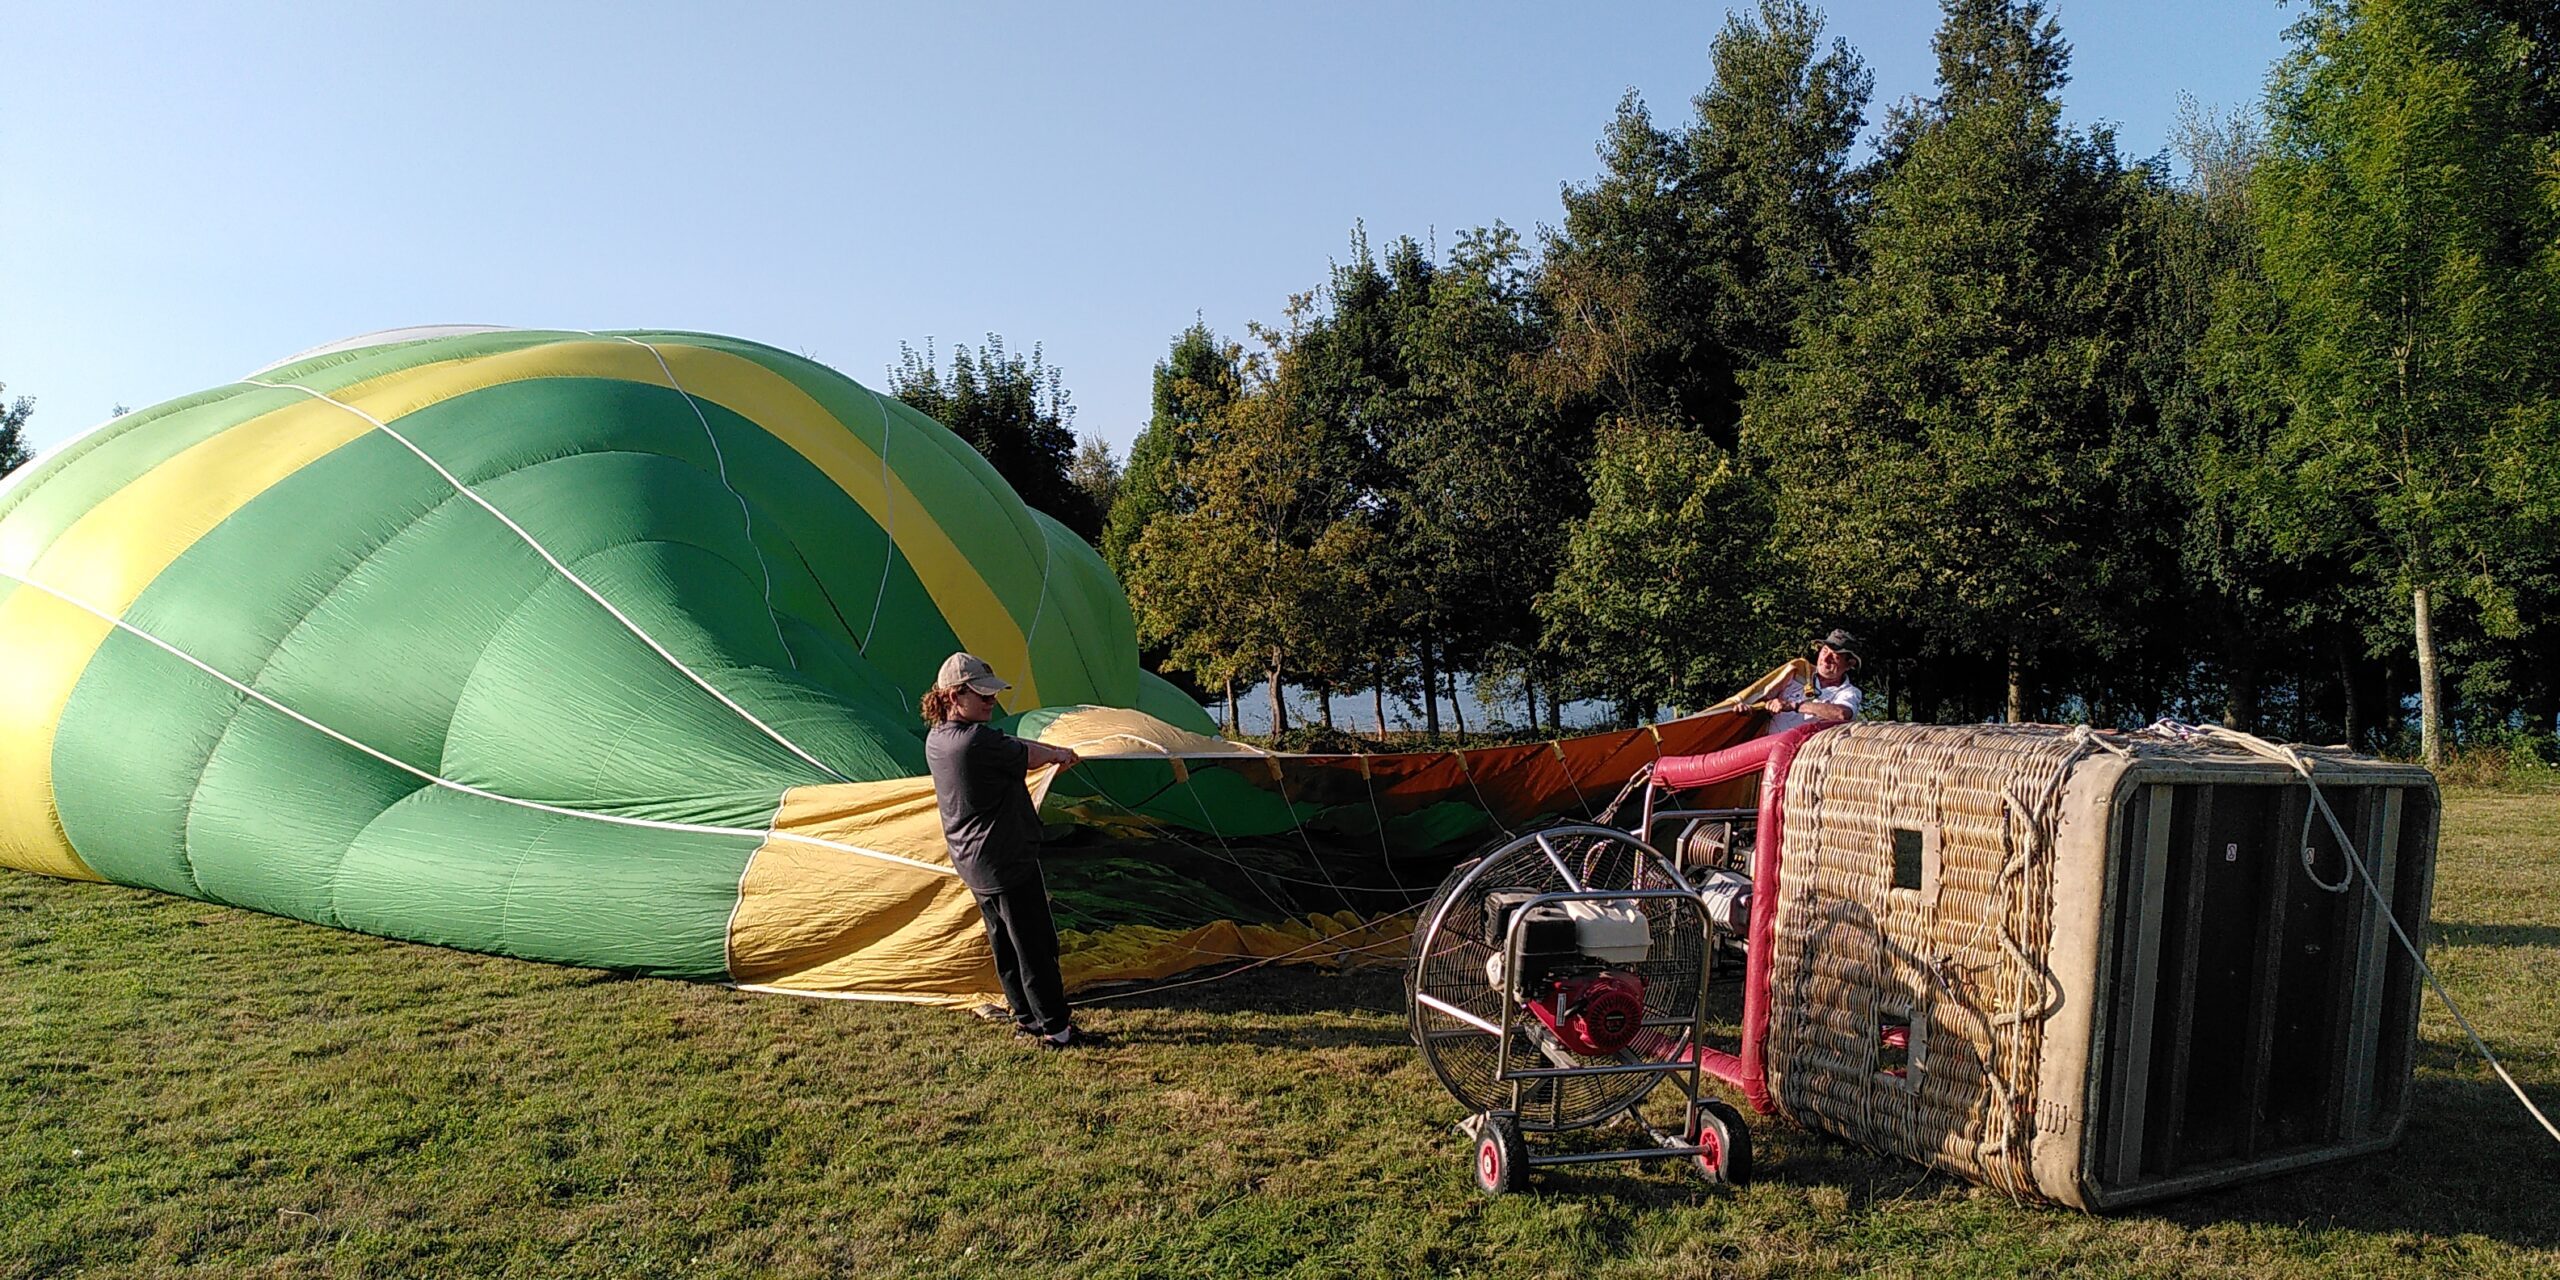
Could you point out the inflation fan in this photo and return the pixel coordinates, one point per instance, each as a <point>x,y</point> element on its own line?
<point>1556,982</point>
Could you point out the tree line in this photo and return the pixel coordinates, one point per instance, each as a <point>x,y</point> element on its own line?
<point>2266,430</point>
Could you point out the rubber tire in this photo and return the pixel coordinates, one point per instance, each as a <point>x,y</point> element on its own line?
<point>1502,1158</point>
<point>1721,1127</point>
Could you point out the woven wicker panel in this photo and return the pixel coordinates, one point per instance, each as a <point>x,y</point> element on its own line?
<point>1957,958</point>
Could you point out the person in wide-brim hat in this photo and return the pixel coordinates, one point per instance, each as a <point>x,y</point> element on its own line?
<point>1832,696</point>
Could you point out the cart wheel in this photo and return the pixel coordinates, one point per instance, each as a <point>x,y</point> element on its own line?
<point>1727,1158</point>
<point>1502,1159</point>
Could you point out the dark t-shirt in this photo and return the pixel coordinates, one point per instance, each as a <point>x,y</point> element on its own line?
<point>987,816</point>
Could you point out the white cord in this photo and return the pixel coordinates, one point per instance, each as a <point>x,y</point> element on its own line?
<point>888,528</point>
<point>554,561</point>
<point>2355,864</point>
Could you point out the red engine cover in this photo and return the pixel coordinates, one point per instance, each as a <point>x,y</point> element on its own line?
<point>1596,1015</point>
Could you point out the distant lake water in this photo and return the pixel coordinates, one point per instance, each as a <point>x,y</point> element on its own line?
<point>1356,712</point>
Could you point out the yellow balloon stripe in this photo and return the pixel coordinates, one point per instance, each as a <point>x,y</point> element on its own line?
<point>811,919</point>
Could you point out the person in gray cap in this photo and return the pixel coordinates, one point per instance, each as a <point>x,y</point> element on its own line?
<point>1832,696</point>
<point>991,826</point>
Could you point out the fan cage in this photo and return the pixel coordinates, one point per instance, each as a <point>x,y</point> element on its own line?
<point>1449,965</point>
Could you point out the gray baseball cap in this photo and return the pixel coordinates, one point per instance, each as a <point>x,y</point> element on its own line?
<point>971,670</point>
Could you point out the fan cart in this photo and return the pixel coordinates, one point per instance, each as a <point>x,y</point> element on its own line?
<point>1556,982</point>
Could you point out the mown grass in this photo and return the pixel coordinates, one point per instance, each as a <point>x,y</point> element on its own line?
<point>188,1089</point>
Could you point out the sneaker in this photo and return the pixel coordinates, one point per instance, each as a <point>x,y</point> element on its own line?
<point>1066,1039</point>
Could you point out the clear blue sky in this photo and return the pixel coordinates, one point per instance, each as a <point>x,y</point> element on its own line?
<point>189,192</point>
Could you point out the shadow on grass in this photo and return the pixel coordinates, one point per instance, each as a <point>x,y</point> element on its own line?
<point>1273,1008</point>
<point>2470,1162</point>
<point>1372,999</point>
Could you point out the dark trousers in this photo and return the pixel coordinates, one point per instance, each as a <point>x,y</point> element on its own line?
<point>1026,946</point>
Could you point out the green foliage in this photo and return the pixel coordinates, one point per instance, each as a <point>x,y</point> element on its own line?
<point>2408,213</point>
<point>1236,584</point>
<point>1095,473</point>
<point>13,428</point>
<point>1200,376</point>
<point>1691,257</point>
<point>2182,446</point>
<point>1769,154</point>
<point>1684,267</point>
<point>1014,411</point>
<point>1665,585</point>
<point>1473,453</point>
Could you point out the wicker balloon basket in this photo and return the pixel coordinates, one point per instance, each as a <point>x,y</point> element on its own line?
<point>2094,970</point>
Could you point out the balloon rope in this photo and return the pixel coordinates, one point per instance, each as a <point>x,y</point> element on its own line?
<point>720,458</point>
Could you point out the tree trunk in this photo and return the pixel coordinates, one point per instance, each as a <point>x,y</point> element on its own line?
<point>1555,709</point>
<point>2240,697</point>
<point>1324,704</point>
<point>2431,744</point>
<point>2017,686</point>
<point>1232,729</point>
<point>1378,699</point>
<point>2347,696</point>
<point>1529,695</point>
<point>1430,688</point>
<point>1279,702</point>
<point>1457,708</point>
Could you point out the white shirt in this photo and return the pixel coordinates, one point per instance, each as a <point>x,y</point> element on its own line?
<point>1843,694</point>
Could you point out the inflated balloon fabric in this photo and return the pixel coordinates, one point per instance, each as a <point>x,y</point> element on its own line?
<point>510,640</point>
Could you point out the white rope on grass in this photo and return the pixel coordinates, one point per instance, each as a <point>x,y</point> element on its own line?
<point>574,580</point>
<point>1258,962</point>
<point>464,788</point>
<point>2356,869</point>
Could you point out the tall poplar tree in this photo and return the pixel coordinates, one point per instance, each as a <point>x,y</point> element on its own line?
<point>2406,209</point>
<point>1200,376</point>
<point>1943,441</point>
<point>1684,267</point>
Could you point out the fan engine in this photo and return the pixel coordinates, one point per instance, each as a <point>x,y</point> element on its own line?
<point>1570,976</point>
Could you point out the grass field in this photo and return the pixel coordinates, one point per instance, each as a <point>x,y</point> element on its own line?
<point>190,1089</point>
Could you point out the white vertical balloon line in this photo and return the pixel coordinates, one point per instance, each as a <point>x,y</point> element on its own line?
<point>888,526</point>
<point>720,458</point>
